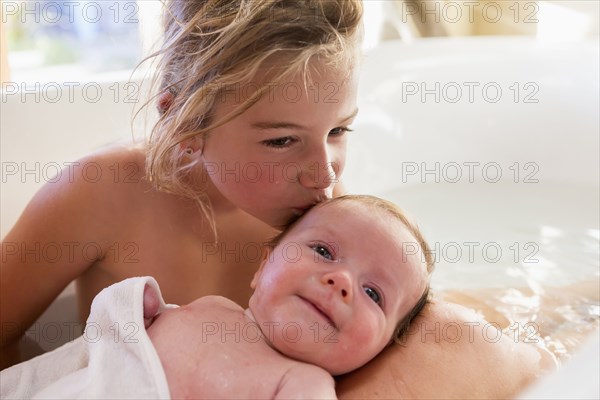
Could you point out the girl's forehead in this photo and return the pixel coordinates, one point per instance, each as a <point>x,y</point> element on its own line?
<point>316,103</point>
<point>282,69</point>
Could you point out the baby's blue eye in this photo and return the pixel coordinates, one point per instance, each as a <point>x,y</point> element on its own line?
<point>373,295</point>
<point>322,251</point>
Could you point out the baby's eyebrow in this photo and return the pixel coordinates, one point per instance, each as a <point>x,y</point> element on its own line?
<point>391,286</point>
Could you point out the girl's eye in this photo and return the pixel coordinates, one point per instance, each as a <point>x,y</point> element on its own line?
<point>372,293</point>
<point>322,251</point>
<point>339,131</point>
<point>279,143</point>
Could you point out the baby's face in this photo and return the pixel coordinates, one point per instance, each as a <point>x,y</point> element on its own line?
<point>333,290</point>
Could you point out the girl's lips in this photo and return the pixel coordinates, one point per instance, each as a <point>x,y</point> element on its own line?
<point>300,210</point>
<point>303,209</point>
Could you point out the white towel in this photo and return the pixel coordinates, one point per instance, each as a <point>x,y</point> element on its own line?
<point>113,359</point>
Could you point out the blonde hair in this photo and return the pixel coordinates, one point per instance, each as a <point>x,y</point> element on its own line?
<point>396,212</point>
<point>212,46</point>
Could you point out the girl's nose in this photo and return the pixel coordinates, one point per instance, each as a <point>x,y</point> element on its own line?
<point>341,282</point>
<point>319,171</point>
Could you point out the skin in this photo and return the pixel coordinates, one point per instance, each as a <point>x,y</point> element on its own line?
<point>220,355</point>
<point>130,229</point>
<point>355,297</point>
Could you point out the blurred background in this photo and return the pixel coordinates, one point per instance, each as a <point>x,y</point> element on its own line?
<point>47,40</point>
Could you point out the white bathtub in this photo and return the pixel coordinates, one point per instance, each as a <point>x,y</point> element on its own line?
<point>491,143</point>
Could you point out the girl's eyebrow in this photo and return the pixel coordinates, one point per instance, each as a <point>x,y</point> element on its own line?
<point>266,125</point>
<point>354,113</point>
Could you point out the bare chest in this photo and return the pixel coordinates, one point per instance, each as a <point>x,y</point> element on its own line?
<point>182,257</point>
<point>208,351</point>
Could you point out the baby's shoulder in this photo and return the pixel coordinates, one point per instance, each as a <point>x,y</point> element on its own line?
<point>217,303</point>
<point>306,381</point>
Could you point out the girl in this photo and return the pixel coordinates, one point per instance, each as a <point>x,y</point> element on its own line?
<point>255,99</point>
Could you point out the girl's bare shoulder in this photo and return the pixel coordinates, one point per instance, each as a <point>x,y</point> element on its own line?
<point>90,192</point>
<point>118,165</point>
<point>112,179</point>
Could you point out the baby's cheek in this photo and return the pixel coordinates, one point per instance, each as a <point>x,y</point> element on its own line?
<point>372,331</point>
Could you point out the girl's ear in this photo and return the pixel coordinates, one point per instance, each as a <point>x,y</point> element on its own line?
<point>266,251</point>
<point>165,99</point>
<point>194,145</point>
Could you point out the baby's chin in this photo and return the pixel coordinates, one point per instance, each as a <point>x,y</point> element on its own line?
<point>335,369</point>
<point>330,362</point>
<point>325,352</point>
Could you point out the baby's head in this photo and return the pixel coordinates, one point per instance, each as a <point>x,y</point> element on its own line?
<point>342,282</point>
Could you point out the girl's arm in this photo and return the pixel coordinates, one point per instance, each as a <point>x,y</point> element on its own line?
<point>449,352</point>
<point>44,250</point>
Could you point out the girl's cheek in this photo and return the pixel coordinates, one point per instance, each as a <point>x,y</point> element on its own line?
<point>340,162</point>
<point>274,174</point>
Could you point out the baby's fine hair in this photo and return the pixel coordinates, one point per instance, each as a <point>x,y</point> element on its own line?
<point>396,212</point>
<point>213,47</point>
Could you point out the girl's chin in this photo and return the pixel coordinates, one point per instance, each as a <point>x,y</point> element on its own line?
<point>278,221</point>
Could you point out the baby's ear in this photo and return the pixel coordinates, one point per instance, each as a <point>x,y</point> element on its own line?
<point>266,252</point>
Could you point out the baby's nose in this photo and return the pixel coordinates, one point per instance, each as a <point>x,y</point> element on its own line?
<point>341,282</point>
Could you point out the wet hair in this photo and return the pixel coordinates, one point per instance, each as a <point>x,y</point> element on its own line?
<point>387,206</point>
<point>212,47</point>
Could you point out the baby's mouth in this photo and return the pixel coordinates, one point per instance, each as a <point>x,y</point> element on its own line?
<point>321,312</point>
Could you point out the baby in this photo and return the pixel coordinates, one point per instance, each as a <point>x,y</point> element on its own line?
<point>334,289</point>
